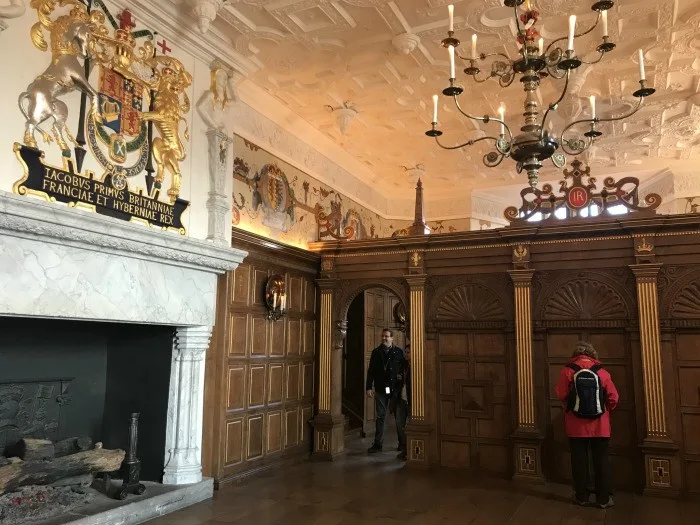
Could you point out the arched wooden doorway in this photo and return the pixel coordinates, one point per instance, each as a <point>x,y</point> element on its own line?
<point>470,340</point>
<point>599,308</point>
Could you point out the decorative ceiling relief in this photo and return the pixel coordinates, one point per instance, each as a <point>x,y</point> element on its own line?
<point>388,59</point>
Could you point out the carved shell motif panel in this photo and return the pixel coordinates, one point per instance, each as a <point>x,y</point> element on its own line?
<point>585,299</point>
<point>687,303</point>
<point>470,302</point>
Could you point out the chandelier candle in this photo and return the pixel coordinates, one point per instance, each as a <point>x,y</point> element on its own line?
<point>642,76</point>
<point>604,17</point>
<point>592,99</point>
<point>451,11</point>
<point>572,30</point>
<point>435,105</point>
<point>540,46</point>
<point>474,55</point>
<point>451,52</point>
<point>502,113</point>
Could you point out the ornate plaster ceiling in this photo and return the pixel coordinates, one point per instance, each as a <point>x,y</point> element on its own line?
<point>381,61</point>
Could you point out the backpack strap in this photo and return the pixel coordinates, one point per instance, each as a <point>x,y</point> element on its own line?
<point>596,367</point>
<point>573,367</point>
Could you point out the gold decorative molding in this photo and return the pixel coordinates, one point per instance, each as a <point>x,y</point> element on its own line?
<point>325,347</point>
<point>417,448</point>
<point>522,281</point>
<point>417,337</point>
<point>647,301</point>
<point>659,472</point>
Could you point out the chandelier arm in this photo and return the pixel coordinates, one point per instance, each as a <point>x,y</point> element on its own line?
<point>587,144</point>
<point>552,107</point>
<point>484,120</point>
<point>600,57</point>
<point>467,143</point>
<point>595,24</point>
<point>609,119</point>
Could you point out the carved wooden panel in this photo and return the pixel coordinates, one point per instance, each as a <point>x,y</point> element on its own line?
<point>276,382</point>
<point>277,337</point>
<point>234,441</point>
<point>259,282</point>
<point>291,425</point>
<point>309,337</point>
<point>292,382</point>
<point>294,336</point>
<point>259,336</point>
<point>236,388</point>
<point>585,299</point>
<point>274,431</point>
<point>241,284</point>
<point>295,294</point>
<point>238,334</point>
<point>473,403</point>
<point>309,297</point>
<point>256,382</point>
<point>470,302</point>
<point>307,387</point>
<point>255,437</point>
<point>687,303</point>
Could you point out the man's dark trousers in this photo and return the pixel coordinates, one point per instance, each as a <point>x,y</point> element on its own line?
<point>381,405</point>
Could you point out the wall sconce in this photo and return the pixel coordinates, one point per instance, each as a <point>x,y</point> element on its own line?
<point>275,297</point>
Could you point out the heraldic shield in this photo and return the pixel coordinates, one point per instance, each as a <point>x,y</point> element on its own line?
<point>120,103</point>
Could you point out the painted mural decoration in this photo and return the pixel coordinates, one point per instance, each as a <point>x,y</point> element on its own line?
<point>132,119</point>
<point>273,198</point>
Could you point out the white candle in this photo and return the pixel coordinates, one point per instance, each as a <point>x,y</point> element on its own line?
<point>274,300</point>
<point>451,11</point>
<point>641,65</point>
<point>572,29</point>
<point>474,46</point>
<point>451,52</point>
<point>283,302</point>
<point>502,113</point>
<point>604,14</point>
<point>592,99</point>
<point>540,46</point>
<point>435,104</point>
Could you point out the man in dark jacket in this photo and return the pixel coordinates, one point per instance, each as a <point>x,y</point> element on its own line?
<point>586,430</point>
<point>384,365</point>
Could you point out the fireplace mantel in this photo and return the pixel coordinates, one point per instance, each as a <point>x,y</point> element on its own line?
<point>66,263</point>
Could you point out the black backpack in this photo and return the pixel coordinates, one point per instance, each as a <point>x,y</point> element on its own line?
<point>587,396</point>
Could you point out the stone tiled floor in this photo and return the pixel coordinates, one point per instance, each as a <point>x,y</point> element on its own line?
<point>378,490</point>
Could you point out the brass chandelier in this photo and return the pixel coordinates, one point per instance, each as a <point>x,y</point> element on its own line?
<point>534,144</point>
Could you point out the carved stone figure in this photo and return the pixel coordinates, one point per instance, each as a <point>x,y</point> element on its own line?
<point>215,103</point>
<point>15,9</point>
<point>70,38</point>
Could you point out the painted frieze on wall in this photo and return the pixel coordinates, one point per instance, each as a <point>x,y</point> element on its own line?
<point>274,199</point>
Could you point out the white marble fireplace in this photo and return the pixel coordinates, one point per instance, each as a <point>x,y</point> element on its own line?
<point>63,263</point>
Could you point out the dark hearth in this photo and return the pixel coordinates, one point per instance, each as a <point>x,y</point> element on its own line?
<point>35,503</point>
<point>60,379</point>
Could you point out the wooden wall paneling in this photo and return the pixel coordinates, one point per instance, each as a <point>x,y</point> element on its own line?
<point>688,374</point>
<point>260,373</point>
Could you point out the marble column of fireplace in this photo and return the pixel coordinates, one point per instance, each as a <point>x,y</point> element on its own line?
<point>63,263</point>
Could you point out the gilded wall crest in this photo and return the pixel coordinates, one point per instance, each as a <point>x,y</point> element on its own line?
<point>131,120</point>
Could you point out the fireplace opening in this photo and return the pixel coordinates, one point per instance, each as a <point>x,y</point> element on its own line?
<point>61,379</point>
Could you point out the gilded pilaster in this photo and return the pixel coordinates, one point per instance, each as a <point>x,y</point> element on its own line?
<point>522,283</point>
<point>419,430</point>
<point>527,441</point>
<point>660,452</point>
<point>329,438</point>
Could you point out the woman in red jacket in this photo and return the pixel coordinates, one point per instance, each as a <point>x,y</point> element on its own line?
<point>590,396</point>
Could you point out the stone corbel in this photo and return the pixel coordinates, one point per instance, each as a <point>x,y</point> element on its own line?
<point>205,11</point>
